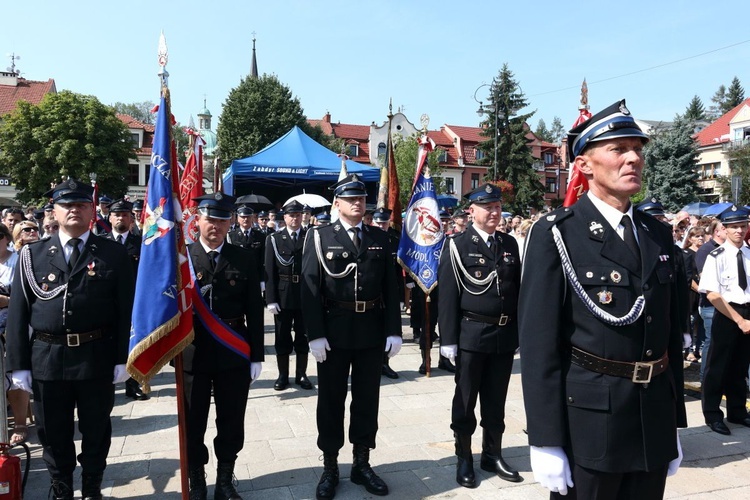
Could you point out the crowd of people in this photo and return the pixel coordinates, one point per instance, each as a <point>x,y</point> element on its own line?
<point>628,293</point>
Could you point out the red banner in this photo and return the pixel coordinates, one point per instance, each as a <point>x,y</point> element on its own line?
<point>191,186</point>
<point>577,184</point>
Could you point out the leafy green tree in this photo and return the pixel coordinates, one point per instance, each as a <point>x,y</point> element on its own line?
<point>257,112</point>
<point>695,110</point>
<point>739,164</point>
<point>141,111</point>
<point>67,134</point>
<point>515,162</point>
<point>557,130</point>
<point>670,159</point>
<point>735,95</point>
<point>542,132</point>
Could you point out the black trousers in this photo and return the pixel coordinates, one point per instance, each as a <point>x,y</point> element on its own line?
<point>333,376</point>
<point>55,403</point>
<point>485,375</point>
<point>596,485</point>
<point>726,369</point>
<point>230,397</point>
<point>283,332</point>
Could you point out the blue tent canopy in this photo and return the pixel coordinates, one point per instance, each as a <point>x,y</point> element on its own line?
<point>293,159</point>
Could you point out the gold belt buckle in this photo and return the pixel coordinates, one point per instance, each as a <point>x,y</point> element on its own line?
<point>360,306</point>
<point>73,340</point>
<point>503,320</point>
<point>637,379</point>
<point>295,278</point>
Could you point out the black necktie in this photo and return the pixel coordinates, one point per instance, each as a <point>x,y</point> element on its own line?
<point>741,274</point>
<point>355,237</point>
<point>629,237</point>
<point>75,254</point>
<point>247,233</point>
<point>121,239</point>
<point>294,238</point>
<point>212,255</point>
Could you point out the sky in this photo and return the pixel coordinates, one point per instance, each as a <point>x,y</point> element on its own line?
<point>351,58</point>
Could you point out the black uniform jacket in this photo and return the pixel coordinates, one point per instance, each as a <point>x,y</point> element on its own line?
<point>132,246</point>
<point>255,243</point>
<point>99,296</point>
<point>606,423</point>
<point>374,278</point>
<point>283,282</point>
<point>499,299</point>
<point>234,297</point>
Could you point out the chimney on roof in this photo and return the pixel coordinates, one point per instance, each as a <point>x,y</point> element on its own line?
<point>254,66</point>
<point>8,78</point>
<point>327,117</point>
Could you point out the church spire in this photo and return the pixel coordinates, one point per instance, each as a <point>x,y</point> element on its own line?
<point>254,67</point>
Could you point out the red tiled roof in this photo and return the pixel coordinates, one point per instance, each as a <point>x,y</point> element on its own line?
<point>712,134</point>
<point>470,134</point>
<point>26,90</point>
<point>440,138</point>
<point>347,131</point>
<point>323,124</point>
<point>131,122</point>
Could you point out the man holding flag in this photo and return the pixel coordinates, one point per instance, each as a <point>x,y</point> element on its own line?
<point>227,278</point>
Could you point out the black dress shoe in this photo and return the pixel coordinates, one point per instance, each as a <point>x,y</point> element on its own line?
<point>496,464</point>
<point>422,369</point>
<point>744,421</point>
<point>134,391</point>
<point>303,381</point>
<point>445,364</point>
<point>389,372</point>
<point>720,427</point>
<point>281,383</point>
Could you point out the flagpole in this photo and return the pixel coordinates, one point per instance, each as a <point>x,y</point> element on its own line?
<point>178,365</point>
<point>427,335</point>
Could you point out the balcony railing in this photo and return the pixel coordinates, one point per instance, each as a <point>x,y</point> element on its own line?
<point>731,145</point>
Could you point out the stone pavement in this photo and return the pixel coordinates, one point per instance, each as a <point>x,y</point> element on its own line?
<point>414,453</point>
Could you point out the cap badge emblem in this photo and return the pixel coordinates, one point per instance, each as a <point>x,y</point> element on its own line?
<point>623,109</point>
<point>73,185</point>
<point>488,189</point>
<point>218,196</point>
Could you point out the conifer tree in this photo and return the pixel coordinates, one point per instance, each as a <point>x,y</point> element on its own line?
<point>695,110</point>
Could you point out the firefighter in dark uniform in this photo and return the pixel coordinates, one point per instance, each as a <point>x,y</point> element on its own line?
<point>601,345</point>
<point>724,281</point>
<point>479,276</point>
<point>246,235</point>
<point>137,228</point>
<point>121,220</point>
<point>283,269</point>
<point>102,225</point>
<point>229,282</point>
<point>351,309</point>
<point>382,218</point>
<point>80,322</point>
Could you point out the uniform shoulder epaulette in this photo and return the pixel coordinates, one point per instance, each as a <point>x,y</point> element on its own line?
<point>717,251</point>
<point>554,217</point>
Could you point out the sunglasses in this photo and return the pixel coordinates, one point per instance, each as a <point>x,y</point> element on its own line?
<point>29,229</point>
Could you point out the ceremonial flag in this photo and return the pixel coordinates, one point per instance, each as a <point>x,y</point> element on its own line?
<point>342,175</point>
<point>422,233</point>
<point>191,186</point>
<point>162,323</point>
<point>394,191</point>
<point>577,182</point>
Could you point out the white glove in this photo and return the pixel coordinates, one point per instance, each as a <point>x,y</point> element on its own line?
<point>675,464</point>
<point>262,286</point>
<point>255,369</point>
<point>410,284</point>
<point>687,340</point>
<point>21,380</point>
<point>121,374</point>
<point>449,351</point>
<point>393,345</point>
<point>273,308</point>
<point>401,305</point>
<point>318,348</point>
<point>551,469</point>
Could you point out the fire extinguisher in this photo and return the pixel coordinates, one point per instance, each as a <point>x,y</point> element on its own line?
<point>11,484</point>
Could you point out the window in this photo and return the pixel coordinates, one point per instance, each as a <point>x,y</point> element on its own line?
<point>382,149</point>
<point>443,156</point>
<point>478,154</point>
<point>352,150</point>
<point>135,140</point>
<point>548,158</point>
<point>551,185</point>
<point>474,181</point>
<point>133,174</point>
<point>450,188</point>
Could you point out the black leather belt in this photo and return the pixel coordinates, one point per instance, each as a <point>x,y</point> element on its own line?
<point>740,306</point>
<point>294,278</point>
<point>359,306</point>
<point>640,372</point>
<point>70,339</point>
<point>234,322</point>
<point>492,320</point>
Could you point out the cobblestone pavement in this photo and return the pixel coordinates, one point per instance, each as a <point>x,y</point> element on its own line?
<point>414,453</point>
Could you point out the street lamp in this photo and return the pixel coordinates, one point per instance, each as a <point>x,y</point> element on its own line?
<point>486,110</point>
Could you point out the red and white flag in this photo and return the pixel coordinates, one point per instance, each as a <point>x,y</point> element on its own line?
<point>577,183</point>
<point>191,186</point>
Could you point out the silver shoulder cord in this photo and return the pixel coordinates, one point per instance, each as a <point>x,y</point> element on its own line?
<point>282,261</point>
<point>458,264</point>
<point>27,272</point>
<point>635,311</point>
<point>350,267</point>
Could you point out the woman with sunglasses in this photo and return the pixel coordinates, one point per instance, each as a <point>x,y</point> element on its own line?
<point>25,232</point>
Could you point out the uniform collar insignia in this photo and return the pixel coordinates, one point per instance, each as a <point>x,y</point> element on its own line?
<point>475,238</point>
<point>596,229</point>
<point>52,250</point>
<point>337,227</point>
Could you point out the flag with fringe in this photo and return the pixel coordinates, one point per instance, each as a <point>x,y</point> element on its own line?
<point>162,323</point>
